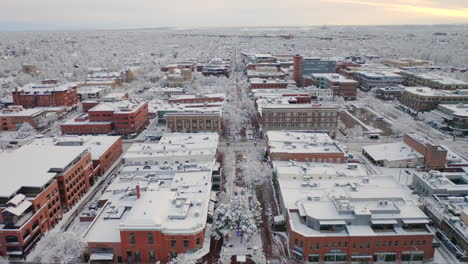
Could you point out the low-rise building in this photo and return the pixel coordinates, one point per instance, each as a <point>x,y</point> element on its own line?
<point>284,115</point>
<point>103,78</point>
<point>257,83</point>
<point>105,150</point>
<point>405,62</point>
<point>178,77</point>
<point>35,191</point>
<point>411,152</point>
<point>352,219</point>
<point>34,95</point>
<point>14,116</point>
<point>92,92</point>
<point>303,146</point>
<point>389,93</point>
<point>436,182</point>
<point>198,98</point>
<point>456,117</point>
<point>449,215</point>
<point>341,86</point>
<point>421,99</point>
<point>124,117</point>
<point>377,79</point>
<point>431,80</point>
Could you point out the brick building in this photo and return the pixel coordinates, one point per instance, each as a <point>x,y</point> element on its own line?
<point>304,67</point>
<point>434,81</point>
<point>14,116</point>
<point>303,146</point>
<point>355,219</point>
<point>341,86</point>
<point>195,120</point>
<point>194,99</point>
<point>284,115</point>
<point>389,93</point>
<point>161,212</point>
<point>421,99</point>
<point>36,191</point>
<point>34,95</point>
<point>435,156</point>
<point>105,150</point>
<point>257,83</point>
<point>123,117</point>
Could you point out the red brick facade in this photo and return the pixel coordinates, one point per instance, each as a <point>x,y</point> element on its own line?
<point>435,157</point>
<point>46,210</point>
<point>150,246</point>
<point>104,122</point>
<point>103,163</point>
<point>374,246</point>
<point>67,98</point>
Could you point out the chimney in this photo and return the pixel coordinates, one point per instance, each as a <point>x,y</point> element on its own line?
<point>138,191</point>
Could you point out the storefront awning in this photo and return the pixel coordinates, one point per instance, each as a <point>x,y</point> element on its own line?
<point>332,222</point>
<point>415,221</point>
<point>384,222</point>
<point>102,256</point>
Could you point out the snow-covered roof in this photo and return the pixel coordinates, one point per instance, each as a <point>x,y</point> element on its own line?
<point>179,146</point>
<point>194,96</point>
<point>426,91</point>
<point>20,111</point>
<point>39,89</point>
<point>25,168</point>
<point>346,201</point>
<point>301,142</point>
<point>392,152</point>
<point>335,77</point>
<point>174,203</point>
<point>459,110</point>
<point>91,89</point>
<point>124,106</point>
<point>441,182</point>
<point>438,78</point>
<point>98,145</point>
<point>271,81</point>
<point>317,170</point>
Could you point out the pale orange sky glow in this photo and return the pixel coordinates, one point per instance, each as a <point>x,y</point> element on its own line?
<point>59,14</point>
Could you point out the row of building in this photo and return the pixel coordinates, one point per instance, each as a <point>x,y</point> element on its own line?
<point>38,189</point>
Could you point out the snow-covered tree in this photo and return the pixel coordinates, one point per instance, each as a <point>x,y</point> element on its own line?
<point>253,171</point>
<point>258,256</point>
<point>58,247</point>
<point>240,216</point>
<point>182,259</point>
<point>431,118</point>
<point>25,130</point>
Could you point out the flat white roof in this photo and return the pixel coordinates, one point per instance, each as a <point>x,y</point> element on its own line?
<point>438,78</point>
<point>392,152</point>
<point>333,77</point>
<point>30,165</point>
<point>301,142</point>
<point>426,91</point>
<point>97,144</point>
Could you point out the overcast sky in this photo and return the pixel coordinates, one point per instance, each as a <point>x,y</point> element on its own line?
<point>83,14</point>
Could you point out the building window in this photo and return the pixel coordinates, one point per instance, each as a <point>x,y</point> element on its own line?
<point>132,238</point>
<point>173,243</point>
<point>313,258</point>
<point>137,256</point>
<point>197,241</point>
<point>186,243</point>
<point>150,239</point>
<point>152,258</point>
